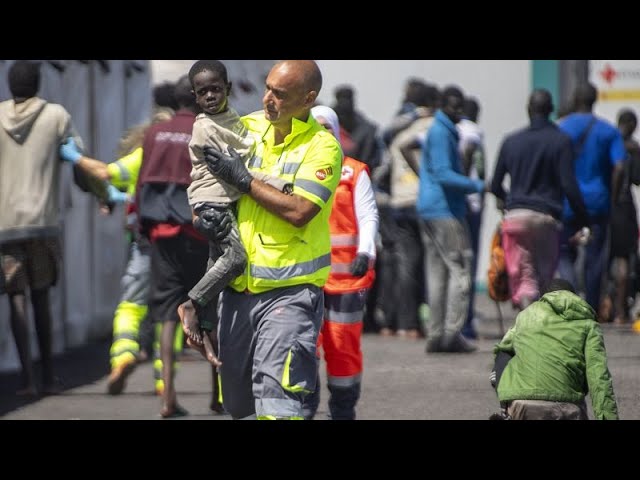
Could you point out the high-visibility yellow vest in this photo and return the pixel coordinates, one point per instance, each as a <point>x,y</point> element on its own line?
<point>279,254</point>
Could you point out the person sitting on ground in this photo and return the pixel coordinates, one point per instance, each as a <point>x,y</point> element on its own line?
<point>559,357</point>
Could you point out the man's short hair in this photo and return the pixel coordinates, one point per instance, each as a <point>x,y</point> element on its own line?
<point>452,91</point>
<point>164,95</point>
<point>24,79</point>
<point>183,92</point>
<point>343,91</point>
<point>560,284</point>
<point>585,94</point>
<point>626,115</point>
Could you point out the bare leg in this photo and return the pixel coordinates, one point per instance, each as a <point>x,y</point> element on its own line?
<point>20,329</point>
<point>210,341</point>
<point>605,310</point>
<point>189,321</point>
<point>42,317</point>
<point>621,275</point>
<point>170,407</point>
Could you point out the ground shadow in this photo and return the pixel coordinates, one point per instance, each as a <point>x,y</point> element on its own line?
<point>74,368</point>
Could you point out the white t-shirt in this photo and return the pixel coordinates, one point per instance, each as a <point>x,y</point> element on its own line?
<point>471,134</point>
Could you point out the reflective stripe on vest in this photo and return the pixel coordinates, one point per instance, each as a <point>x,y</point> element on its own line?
<point>312,187</point>
<point>292,271</point>
<point>255,162</point>
<point>124,173</point>
<point>344,240</point>
<point>290,168</point>
<point>341,268</point>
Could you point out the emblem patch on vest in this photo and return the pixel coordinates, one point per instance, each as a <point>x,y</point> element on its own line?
<point>323,173</point>
<point>347,173</point>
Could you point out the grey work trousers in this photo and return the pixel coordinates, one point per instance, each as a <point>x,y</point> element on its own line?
<point>268,350</point>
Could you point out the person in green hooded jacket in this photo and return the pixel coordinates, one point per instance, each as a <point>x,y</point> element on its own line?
<point>558,357</point>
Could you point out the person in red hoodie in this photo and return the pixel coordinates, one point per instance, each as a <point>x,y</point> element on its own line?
<point>353,225</point>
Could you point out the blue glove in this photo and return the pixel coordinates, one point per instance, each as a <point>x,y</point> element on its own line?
<point>116,196</point>
<point>69,151</point>
<point>228,168</point>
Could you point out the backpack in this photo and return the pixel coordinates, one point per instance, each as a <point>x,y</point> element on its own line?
<point>498,279</point>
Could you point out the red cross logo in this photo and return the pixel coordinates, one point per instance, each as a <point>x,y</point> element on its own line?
<point>608,74</point>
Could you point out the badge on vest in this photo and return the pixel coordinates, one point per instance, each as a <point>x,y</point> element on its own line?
<point>347,173</point>
<point>323,173</point>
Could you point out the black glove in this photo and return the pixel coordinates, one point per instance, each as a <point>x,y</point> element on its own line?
<point>360,265</point>
<point>213,223</point>
<point>228,168</point>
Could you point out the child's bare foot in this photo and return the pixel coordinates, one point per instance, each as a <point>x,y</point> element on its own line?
<point>199,347</point>
<point>210,352</point>
<point>189,321</point>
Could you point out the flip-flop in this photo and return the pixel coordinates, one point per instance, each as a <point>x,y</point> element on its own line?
<point>176,413</point>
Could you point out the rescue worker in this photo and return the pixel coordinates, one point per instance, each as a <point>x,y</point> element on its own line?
<point>271,315</point>
<point>353,225</point>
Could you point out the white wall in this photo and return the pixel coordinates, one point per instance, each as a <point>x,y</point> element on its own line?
<point>501,86</point>
<point>169,70</point>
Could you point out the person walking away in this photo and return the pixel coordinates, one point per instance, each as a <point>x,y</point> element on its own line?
<point>624,230</point>
<point>599,155</point>
<point>179,253</point>
<point>133,342</point>
<point>32,135</point>
<point>539,162</point>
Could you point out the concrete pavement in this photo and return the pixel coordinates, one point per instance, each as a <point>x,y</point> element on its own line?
<point>401,382</point>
